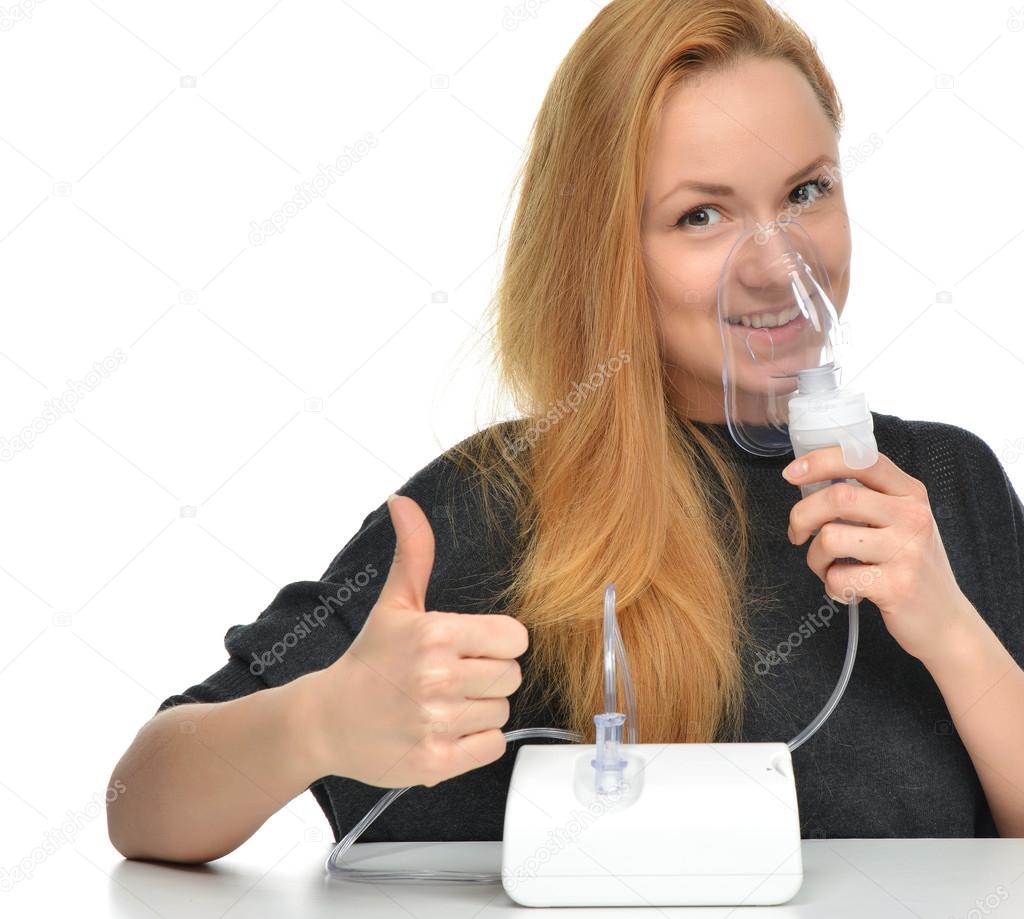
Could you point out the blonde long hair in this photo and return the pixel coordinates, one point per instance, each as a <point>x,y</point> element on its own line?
<point>616,487</point>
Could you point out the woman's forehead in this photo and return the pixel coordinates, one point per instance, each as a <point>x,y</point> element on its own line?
<point>759,120</point>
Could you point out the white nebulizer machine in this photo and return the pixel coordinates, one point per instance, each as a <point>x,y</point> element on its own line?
<point>623,823</point>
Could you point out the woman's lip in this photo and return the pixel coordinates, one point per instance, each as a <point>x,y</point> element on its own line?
<point>779,334</point>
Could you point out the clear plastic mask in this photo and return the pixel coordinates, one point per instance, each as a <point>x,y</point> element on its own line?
<point>776,318</point>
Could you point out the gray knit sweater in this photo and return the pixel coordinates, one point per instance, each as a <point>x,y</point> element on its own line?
<point>887,763</point>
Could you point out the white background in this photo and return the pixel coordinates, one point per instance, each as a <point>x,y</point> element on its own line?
<point>274,392</point>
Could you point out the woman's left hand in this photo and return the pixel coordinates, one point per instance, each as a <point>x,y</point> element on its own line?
<point>906,573</point>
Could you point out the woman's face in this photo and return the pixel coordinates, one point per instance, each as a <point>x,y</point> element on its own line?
<point>758,131</point>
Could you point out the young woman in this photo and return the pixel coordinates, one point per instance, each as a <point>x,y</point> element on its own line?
<point>670,125</point>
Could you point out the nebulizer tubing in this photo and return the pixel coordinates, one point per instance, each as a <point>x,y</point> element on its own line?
<point>844,676</point>
<point>333,864</point>
<point>615,660</point>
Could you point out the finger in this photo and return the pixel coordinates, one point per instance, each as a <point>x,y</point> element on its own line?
<point>409,575</point>
<point>481,748</point>
<point>484,678</point>
<point>840,500</point>
<point>847,583</point>
<point>841,541</point>
<point>491,635</point>
<point>479,715</point>
<point>826,463</point>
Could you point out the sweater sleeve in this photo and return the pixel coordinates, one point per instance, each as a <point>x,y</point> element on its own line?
<point>1008,554</point>
<point>306,626</point>
<point>997,522</point>
<point>309,624</point>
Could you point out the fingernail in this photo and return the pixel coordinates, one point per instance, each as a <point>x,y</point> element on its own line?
<point>391,498</point>
<point>795,469</point>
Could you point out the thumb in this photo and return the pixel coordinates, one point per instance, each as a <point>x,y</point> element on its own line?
<point>407,580</point>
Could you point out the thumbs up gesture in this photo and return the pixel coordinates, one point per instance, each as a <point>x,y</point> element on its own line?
<point>418,697</point>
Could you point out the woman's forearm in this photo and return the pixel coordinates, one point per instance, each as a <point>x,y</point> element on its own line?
<point>984,691</point>
<point>200,779</point>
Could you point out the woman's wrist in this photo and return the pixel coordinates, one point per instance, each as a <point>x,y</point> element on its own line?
<point>313,742</point>
<point>967,651</point>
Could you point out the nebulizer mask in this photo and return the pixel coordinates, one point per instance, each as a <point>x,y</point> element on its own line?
<point>781,342</point>
<point>624,823</point>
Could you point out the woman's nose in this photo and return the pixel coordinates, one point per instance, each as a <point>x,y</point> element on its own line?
<point>759,267</point>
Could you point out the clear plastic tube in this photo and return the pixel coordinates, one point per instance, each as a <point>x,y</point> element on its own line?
<point>334,865</point>
<point>608,761</point>
<point>844,678</point>
<point>613,640</point>
<point>615,652</point>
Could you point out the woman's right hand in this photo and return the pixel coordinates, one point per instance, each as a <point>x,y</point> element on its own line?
<point>418,697</point>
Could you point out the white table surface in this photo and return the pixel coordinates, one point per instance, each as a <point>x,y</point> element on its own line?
<point>876,878</point>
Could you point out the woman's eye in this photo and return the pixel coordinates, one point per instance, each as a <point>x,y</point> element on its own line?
<point>698,218</point>
<point>700,212</point>
<point>820,187</point>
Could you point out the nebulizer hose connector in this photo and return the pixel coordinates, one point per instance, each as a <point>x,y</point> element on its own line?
<point>608,762</point>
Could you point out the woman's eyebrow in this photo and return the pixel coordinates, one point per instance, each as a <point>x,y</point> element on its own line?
<point>724,191</point>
